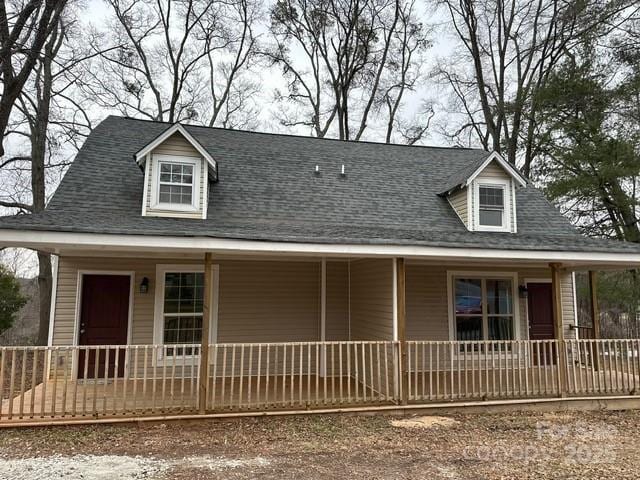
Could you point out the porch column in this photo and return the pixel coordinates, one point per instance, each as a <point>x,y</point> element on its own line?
<point>595,313</point>
<point>401,327</point>
<point>556,292</point>
<point>203,390</point>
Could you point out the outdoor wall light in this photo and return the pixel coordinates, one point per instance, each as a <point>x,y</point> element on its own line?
<point>144,285</point>
<point>524,293</point>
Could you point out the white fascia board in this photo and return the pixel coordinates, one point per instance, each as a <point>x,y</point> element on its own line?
<point>495,156</point>
<point>57,241</point>
<point>142,153</point>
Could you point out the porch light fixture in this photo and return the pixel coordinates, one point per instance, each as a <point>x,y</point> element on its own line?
<point>524,292</point>
<point>144,285</point>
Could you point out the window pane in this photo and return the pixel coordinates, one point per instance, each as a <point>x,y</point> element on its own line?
<point>468,328</point>
<point>183,294</point>
<point>500,328</point>
<point>490,218</point>
<point>468,296</point>
<point>491,197</point>
<point>499,297</point>
<point>177,183</point>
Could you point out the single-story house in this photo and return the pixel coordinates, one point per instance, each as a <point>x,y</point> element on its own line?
<point>186,239</point>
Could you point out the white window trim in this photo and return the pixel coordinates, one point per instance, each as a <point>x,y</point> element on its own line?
<point>513,276</point>
<point>158,315</point>
<point>195,188</point>
<point>507,213</point>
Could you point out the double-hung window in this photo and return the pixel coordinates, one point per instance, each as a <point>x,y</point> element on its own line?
<point>176,186</point>
<point>182,311</point>
<point>491,206</point>
<point>483,308</point>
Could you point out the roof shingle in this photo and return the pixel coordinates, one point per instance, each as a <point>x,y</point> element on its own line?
<point>268,190</point>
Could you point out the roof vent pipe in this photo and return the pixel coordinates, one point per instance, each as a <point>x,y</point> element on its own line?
<point>317,169</point>
<point>342,171</point>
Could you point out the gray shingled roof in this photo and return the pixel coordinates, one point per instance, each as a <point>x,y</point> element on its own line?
<point>268,191</point>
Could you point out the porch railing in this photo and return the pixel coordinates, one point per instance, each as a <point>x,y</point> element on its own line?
<point>54,383</point>
<point>300,375</point>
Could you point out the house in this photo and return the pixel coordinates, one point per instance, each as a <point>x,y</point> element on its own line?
<point>311,273</point>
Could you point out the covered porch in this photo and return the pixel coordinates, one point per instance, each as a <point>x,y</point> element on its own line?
<point>302,333</point>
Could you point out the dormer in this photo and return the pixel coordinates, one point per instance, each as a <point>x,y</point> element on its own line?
<point>484,195</point>
<point>178,171</point>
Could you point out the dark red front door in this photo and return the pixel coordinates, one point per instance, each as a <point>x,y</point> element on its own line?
<point>104,318</point>
<point>539,299</point>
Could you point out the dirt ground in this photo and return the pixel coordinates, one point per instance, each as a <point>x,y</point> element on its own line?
<point>580,445</point>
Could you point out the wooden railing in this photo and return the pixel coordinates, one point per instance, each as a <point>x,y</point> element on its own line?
<point>449,371</point>
<point>596,367</point>
<point>261,376</point>
<point>97,381</point>
<point>59,383</point>
<point>150,380</point>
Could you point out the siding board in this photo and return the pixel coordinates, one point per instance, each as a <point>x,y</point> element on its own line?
<point>372,299</point>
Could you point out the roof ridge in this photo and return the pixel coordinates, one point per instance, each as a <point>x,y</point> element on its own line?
<point>305,137</point>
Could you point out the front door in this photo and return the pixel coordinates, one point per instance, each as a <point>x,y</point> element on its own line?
<point>539,300</point>
<point>104,319</point>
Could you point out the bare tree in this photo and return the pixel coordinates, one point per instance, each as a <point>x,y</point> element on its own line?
<point>506,52</point>
<point>48,118</point>
<point>343,60</point>
<point>177,60</point>
<point>24,28</point>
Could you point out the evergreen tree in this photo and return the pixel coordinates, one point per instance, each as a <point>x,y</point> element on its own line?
<point>11,300</point>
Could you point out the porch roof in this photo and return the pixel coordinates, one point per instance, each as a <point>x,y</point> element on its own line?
<point>268,192</point>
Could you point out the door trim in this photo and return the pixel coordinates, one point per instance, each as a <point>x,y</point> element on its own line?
<point>76,322</point>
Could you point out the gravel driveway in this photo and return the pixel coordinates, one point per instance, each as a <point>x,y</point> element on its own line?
<point>586,445</point>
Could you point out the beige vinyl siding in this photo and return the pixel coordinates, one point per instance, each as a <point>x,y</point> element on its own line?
<point>276,301</point>
<point>259,301</point>
<point>337,317</point>
<point>372,299</point>
<point>176,145</point>
<point>494,170</point>
<point>427,300</point>
<point>458,201</point>
<point>269,301</point>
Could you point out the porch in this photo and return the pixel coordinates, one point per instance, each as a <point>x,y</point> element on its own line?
<point>41,384</point>
<point>129,338</point>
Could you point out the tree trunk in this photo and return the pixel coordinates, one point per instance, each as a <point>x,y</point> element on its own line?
<point>44,291</point>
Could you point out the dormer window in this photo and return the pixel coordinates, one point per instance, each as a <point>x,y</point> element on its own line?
<point>491,205</point>
<point>175,182</point>
<point>483,195</point>
<point>178,172</point>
